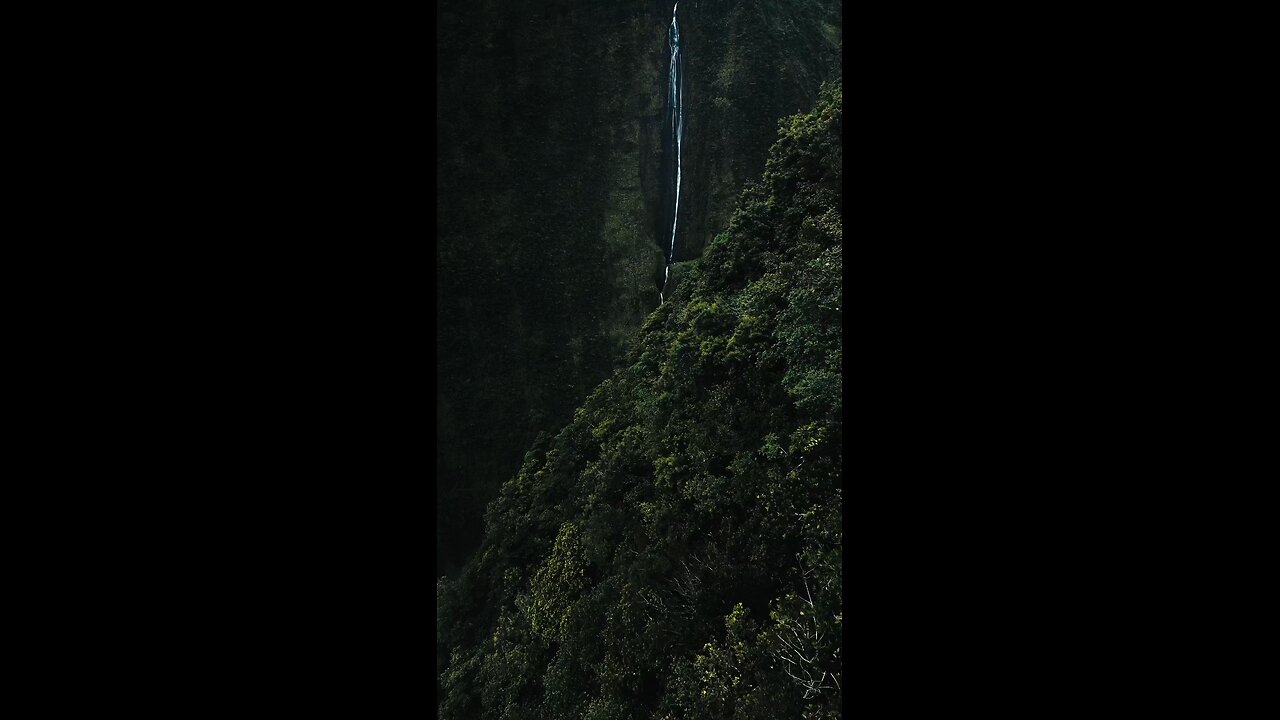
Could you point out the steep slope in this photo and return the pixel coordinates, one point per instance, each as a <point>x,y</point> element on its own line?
<point>675,551</point>
<point>549,181</point>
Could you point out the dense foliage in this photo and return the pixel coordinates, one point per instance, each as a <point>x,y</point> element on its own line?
<point>675,551</point>
<point>550,115</point>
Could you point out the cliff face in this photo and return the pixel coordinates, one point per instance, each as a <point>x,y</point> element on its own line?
<point>748,65</point>
<point>549,135</point>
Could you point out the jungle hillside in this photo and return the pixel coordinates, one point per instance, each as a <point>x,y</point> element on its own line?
<point>551,196</point>
<point>674,551</point>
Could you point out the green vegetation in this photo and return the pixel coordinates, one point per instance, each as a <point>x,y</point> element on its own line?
<point>675,550</point>
<point>549,123</point>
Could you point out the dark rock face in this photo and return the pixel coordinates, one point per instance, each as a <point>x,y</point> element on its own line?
<point>748,64</point>
<point>550,197</point>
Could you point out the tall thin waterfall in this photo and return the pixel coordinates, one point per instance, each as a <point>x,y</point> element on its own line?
<point>675,105</point>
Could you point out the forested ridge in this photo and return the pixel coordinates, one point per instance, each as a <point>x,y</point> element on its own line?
<point>551,197</point>
<point>675,551</point>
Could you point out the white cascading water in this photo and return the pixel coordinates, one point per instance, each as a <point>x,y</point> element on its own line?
<point>675,101</point>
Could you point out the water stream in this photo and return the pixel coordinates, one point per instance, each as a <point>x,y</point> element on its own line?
<point>675,109</point>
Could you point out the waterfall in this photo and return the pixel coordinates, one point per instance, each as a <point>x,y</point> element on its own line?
<point>675,105</point>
